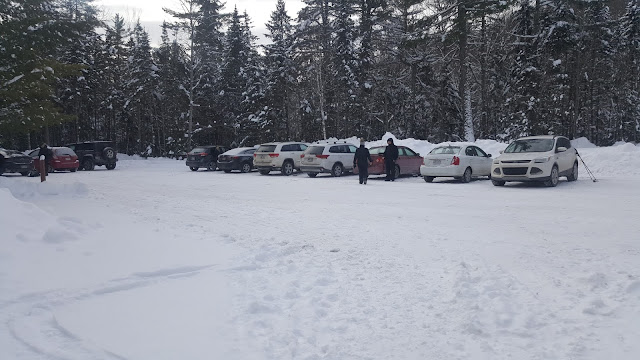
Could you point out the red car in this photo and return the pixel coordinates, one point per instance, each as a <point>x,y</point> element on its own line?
<point>408,162</point>
<point>63,159</point>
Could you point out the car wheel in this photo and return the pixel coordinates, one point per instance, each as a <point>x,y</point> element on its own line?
<point>74,169</point>
<point>553,178</point>
<point>246,167</point>
<point>24,173</point>
<point>574,173</point>
<point>312,175</point>
<point>111,166</point>
<point>193,168</point>
<point>397,174</point>
<point>287,168</point>
<point>211,166</point>
<point>264,172</point>
<point>497,182</point>
<point>337,170</point>
<point>109,153</point>
<point>88,164</point>
<point>429,178</point>
<point>466,177</point>
<point>227,171</point>
<point>50,169</point>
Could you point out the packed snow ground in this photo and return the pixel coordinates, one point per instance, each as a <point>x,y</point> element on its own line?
<point>153,261</point>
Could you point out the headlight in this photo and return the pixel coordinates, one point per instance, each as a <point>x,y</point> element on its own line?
<point>541,160</point>
<point>496,161</point>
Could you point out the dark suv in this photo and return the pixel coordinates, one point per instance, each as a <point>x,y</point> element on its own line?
<point>95,153</point>
<point>204,157</point>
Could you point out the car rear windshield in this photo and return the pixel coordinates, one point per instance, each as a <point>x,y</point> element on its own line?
<point>64,151</point>
<point>445,150</point>
<point>530,145</point>
<point>377,150</point>
<point>198,151</point>
<point>314,150</point>
<point>267,148</point>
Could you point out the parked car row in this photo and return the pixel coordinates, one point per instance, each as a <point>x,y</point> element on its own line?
<point>536,158</point>
<point>84,156</point>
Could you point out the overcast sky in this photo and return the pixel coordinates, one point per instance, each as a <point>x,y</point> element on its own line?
<point>151,15</point>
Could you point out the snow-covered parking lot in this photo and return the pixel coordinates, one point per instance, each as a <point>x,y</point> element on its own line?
<point>153,261</point>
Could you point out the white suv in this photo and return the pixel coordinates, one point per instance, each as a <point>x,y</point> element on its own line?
<point>536,158</point>
<point>335,158</point>
<point>284,156</point>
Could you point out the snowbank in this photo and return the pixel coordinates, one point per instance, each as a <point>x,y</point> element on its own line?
<point>23,188</point>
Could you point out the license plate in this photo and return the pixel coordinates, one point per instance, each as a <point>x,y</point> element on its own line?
<point>263,157</point>
<point>67,158</point>
<point>309,160</point>
<point>436,162</point>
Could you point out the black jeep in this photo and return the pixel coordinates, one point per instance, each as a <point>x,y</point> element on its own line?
<point>95,153</point>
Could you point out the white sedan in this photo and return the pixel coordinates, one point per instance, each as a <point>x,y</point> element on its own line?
<point>458,161</point>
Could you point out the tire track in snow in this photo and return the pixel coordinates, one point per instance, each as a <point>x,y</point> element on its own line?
<point>30,319</point>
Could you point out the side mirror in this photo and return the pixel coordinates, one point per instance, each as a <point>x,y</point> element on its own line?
<point>501,151</point>
<point>488,155</point>
<point>562,149</point>
<point>418,154</point>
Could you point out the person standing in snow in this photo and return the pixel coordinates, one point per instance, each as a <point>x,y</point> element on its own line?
<point>48,154</point>
<point>362,160</point>
<point>390,156</point>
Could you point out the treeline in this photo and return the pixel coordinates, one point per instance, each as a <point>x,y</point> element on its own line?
<point>436,69</point>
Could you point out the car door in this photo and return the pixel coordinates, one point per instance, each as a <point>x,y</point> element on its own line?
<point>469,158</point>
<point>349,157</point>
<point>484,162</point>
<point>413,161</point>
<point>563,157</point>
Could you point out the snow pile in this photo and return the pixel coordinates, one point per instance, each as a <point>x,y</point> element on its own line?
<point>424,147</point>
<point>23,188</point>
<point>619,160</point>
<point>582,143</point>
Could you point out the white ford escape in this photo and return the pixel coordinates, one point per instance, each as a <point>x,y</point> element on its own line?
<point>282,156</point>
<point>536,158</point>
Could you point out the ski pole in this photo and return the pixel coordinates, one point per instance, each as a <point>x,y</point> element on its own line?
<point>593,177</point>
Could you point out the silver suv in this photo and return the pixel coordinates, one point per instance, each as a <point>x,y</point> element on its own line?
<point>536,158</point>
<point>282,156</point>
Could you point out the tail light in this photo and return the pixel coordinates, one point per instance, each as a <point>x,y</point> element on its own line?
<point>301,156</point>
<point>274,155</point>
<point>322,156</point>
<point>379,159</point>
<point>235,157</point>
<point>255,155</point>
<point>203,154</point>
<point>455,161</point>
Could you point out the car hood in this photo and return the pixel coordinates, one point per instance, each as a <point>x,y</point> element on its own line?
<point>523,156</point>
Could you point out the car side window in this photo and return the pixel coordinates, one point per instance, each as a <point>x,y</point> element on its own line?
<point>409,152</point>
<point>401,152</point>
<point>470,151</point>
<point>480,152</point>
<point>352,149</point>
<point>250,151</point>
<point>335,149</point>
<point>287,148</point>
<point>303,147</point>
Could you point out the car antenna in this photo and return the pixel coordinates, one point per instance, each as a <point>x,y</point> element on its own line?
<point>593,177</point>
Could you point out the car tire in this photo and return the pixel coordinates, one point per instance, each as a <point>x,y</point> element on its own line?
<point>193,168</point>
<point>312,175</point>
<point>337,170</point>
<point>497,182</point>
<point>227,171</point>
<point>574,173</point>
<point>24,173</point>
<point>466,177</point>
<point>110,166</point>
<point>246,167</point>
<point>429,178</point>
<point>264,172</point>
<point>50,169</point>
<point>88,164</point>
<point>397,172</point>
<point>287,168</point>
<point>74,169</point>
<point>553,177</point>
<point>211,166</point>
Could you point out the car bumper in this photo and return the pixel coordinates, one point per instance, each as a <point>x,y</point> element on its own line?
<point>15,168</point>
<point>196,163</point>
<point>522,172</point>
<point>444,171</point>
<point>314,169</point>
<point>228,166</point>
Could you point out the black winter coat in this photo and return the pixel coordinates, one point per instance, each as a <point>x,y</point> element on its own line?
<point>391,153</point>
<point>362,157</point>
<point>47,152</point>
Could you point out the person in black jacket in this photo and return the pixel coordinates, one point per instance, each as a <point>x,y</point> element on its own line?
<point>48,154</point>
<point>390,156</point>
<point>362,160</point>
